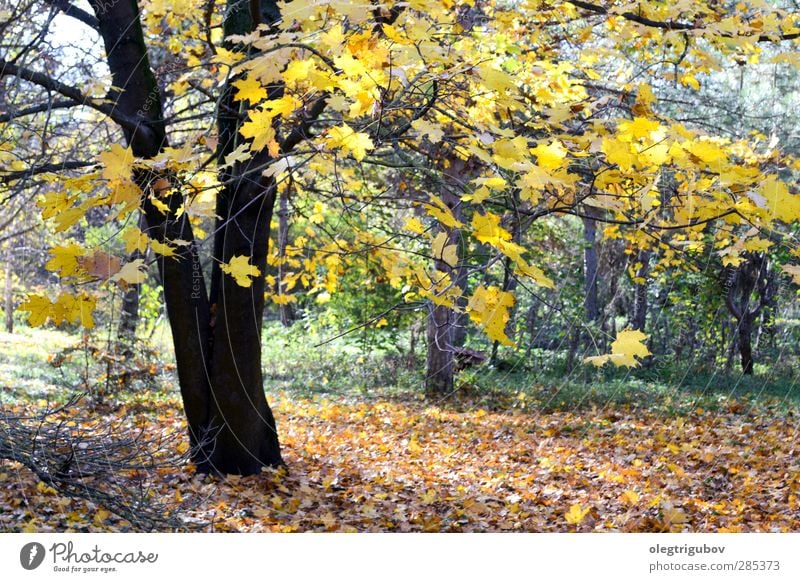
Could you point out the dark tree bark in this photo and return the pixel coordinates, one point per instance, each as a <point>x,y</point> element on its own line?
<point>9,295</point>
<point>591,304</point>
<point>129,310</point>
<point>285,310</point>
<point>749,288</point>
<point>440,361</point>
<point>216,338</point>
<point>640,291</point>
<point>446,327</point>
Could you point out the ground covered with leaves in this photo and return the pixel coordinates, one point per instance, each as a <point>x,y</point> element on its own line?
<point>407,465</point>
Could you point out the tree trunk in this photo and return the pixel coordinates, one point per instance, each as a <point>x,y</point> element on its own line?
<point>242,423</point>
<point>640,291</point>
<point>440,362</point>
<point>745,345</point>
<point>9,295</point>
<point>129,311</point>
<point>217,347</point>
<point>285,309</point>
<point>447,327</point>
<point>591,305</point>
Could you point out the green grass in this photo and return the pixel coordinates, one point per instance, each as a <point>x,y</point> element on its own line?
<point>24,368</point>
<point>302,362</point>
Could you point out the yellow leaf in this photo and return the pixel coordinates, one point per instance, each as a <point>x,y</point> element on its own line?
<point>535,273</point>
<point>441,212</point>
<point>624,350</point>
<point>348,140</point>
<point>487,229</point>
<point>443,251</point>
<point>489,307</point>
<point>45,489</point>
<point>429,497</point>
<point>414,225</point>
<point>39,308</point>
<point>241,270</point>
<point>132,272</point>
<point>629,497</point>
<point>628,346</point>
<point>426,128</point>
<point>258,128</point>
<point>551,156</point>
<point>135,240</point>
<point>65,260</point>
<point>117,163</point>
<point>576,514</point>
<point>162,249</point>
<point>249,89</point>
<point>638,128</point>
<point>100,516</point>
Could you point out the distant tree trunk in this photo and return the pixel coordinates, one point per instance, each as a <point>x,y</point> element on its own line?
<point>440,361</point>
<point>9,295</point>
<point>752,280</point>
<point>129,311</point>
<point>591,305</point>
<point>445,326</point>
<point>745,345</point>
<point>530,327</point>
<point>285,309</point>
<point>640,291</point>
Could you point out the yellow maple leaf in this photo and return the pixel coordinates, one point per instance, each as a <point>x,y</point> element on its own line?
<point>134,239</point>
<point>443,251</point>
<point>441,212</point>
<point>535,273</point>
<point>117,163</point>
<point>489,307</point>
<point>638,128</point>
<point>249,89</point>
<point>782,205</point>
<point>576,514</point>
<point>426,128</point>
<point>624,350</point>
<point>241,270</point>
<point>414,225</point>
<point>39,308</point>
<point>162,249</point>
<point>258,128</point>
<point>64,260</point>
<point>132,273</point>
<point>487,229</point>
<point>550,156</point>
<point>347,139</point>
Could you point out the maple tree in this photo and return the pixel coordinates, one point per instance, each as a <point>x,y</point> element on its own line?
<point>473,122</point>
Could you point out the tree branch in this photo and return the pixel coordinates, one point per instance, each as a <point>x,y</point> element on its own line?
<point>6,117</point>
<point>673,24</point>
<point>109,109</point>
<point>75,12</point>
<point>43,169</point>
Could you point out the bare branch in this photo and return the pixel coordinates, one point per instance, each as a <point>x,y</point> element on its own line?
<point>75,12</point>
<point>43,169</point>
<point>73,93</point>
<point>673,24</point>
<point>50,105</point>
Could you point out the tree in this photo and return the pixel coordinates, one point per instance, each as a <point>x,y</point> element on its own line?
<point>335,96</point>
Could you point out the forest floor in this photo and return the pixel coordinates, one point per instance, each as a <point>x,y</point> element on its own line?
<point>367,462</point>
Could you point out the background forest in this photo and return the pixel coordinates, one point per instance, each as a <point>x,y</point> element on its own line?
<point>496,265</point>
